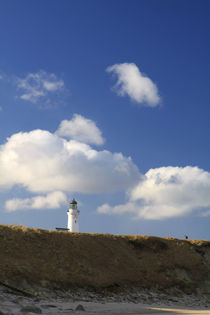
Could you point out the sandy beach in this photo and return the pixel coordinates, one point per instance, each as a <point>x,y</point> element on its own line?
<point>80,301</point>
<point>19,306</point>
<point>125,309</point>
<point>129,309</point>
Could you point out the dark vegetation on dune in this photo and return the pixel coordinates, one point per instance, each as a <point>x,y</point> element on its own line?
<point>55,259</point>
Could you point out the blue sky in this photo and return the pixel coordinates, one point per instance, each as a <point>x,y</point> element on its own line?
<point>107,102</point>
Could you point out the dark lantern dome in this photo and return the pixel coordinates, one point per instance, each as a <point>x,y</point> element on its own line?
<point>73,202</point>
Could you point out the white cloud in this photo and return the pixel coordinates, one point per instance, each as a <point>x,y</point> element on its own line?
<point>131,82</point>
<point>129,207</point>
<point>50,201</point>
<point>167,192</point>
<point>81,129</point>
<point>44,162</point>
<point>40,87</point>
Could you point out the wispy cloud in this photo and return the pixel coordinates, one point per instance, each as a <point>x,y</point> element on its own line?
<point>131,82</point>
<point>167,192</point>
<point>50,201</point>
<point>81,129</point>
<point>40,88</point>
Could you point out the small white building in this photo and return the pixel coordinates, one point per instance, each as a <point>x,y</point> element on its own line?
<point>73,217</point>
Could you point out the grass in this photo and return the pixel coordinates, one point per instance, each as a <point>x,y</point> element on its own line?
<point>63,259</point>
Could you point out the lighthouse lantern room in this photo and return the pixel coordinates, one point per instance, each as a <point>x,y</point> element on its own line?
<point>73,217</point>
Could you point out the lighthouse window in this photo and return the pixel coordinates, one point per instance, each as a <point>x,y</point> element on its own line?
<point>75,221</point>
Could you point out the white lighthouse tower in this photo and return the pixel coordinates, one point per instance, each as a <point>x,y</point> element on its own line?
<point>73,217</point>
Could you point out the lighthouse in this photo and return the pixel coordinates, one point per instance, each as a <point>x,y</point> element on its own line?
<point>73,217</point>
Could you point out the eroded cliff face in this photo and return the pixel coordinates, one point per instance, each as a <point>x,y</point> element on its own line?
<point>63,259</point>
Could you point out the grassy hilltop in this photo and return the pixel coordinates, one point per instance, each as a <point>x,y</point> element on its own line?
<point>62,259</point>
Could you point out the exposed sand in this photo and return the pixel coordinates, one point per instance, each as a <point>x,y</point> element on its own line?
<point>81,302</point>
<point>91,308</point>
<point>133,309</point>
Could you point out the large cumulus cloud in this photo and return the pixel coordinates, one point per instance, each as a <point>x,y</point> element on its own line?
<point>167,192</point>
<point>43,162</point>
<point>81,129</point>
<point>49,167</point>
